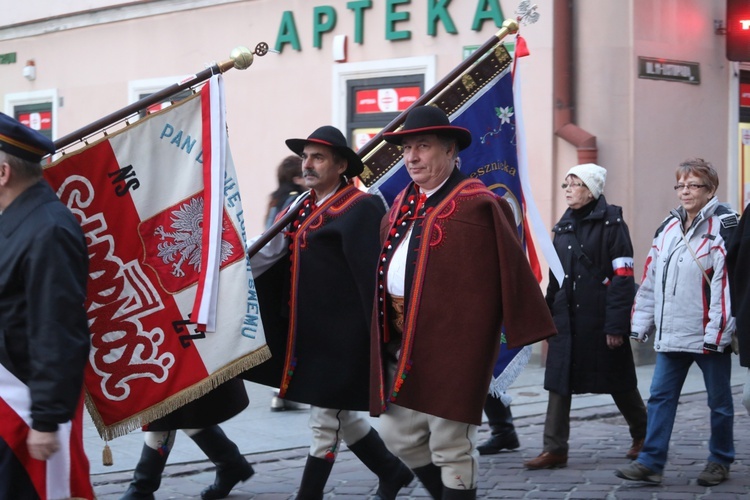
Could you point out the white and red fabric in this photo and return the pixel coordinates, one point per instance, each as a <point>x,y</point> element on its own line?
<point>66,473</point>
<point>171,299</point>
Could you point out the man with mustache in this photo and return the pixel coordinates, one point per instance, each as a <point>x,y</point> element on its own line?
<point>316,308</point>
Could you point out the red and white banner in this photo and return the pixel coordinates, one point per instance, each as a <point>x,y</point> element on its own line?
<point>66,473</point>
<point>171,299</point>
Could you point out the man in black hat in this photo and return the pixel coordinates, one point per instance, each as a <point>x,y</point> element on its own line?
<point>44,336</point>
<point>452,272</point>
<point>317,319</point>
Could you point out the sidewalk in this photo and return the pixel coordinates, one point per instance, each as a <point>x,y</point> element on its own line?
<point>276,445</point>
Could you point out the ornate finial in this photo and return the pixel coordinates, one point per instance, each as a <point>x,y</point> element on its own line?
<point>242,57</point>
<point>261,49</point>
<point>526,13</point>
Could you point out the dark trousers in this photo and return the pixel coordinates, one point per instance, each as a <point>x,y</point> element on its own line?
<point>557,423</point>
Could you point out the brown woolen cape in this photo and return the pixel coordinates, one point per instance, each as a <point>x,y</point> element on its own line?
<point>471,277</point>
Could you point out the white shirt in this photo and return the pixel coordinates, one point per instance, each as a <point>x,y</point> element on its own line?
<point>397,266</point>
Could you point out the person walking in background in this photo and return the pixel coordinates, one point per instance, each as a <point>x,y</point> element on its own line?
<point>289,177</point>
<point>44,334</point>
<point>738,268</point>
<point>452,272</point>
<point>315,286</point>
<point>591,352</point>
<point>684,301</point>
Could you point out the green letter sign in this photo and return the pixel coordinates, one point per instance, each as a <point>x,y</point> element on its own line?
<point>287,32</point>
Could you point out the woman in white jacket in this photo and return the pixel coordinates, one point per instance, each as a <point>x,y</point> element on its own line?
<point>684,302</point>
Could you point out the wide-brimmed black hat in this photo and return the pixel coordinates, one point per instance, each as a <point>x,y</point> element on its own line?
<point>19,140</point>
<point>429,120</point>
<point>333,138</point>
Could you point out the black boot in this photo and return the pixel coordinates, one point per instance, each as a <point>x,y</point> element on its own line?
<point>147,474</point>
<point>451,494</point>
<point>231,466</point>
<point>314,478</point>
<point>504,435</point>
<point>392,472</point>
<point>431,480</point>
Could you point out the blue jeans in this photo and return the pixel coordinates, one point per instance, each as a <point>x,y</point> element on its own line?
<point>669,376</point>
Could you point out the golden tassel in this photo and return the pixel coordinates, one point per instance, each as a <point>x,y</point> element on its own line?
<point>107,456</point>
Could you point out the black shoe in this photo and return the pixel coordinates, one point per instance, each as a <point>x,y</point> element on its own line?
<point>392,473</point>
<point>497,443</point>
<point>226,479</point>
<point>147,475</point>
<point>231,466</point>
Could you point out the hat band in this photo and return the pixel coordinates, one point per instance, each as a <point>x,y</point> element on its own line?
<point>321,141</point>
<point>21,145</point>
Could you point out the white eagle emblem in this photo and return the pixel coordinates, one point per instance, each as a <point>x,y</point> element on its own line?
<point>186,240</point>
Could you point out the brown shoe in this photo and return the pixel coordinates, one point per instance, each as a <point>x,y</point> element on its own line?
<point>547,460</point>
<point>635,449</point>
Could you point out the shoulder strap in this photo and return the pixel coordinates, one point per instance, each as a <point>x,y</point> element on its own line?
<point>584,259</point>
<point>695,257</point>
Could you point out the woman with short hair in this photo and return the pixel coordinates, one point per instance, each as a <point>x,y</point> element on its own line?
<point>684,302</point>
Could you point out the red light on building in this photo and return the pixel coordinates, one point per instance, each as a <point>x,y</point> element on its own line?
<point>738,30</point>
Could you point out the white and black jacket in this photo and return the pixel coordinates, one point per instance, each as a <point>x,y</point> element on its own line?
<point>674,300</point>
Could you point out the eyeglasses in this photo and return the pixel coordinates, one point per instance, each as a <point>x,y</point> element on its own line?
<point>565,185</point>
<point>691,187</point>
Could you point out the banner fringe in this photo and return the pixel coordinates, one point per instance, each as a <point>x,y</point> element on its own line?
<point>178,400</point>
<point>502,382</point>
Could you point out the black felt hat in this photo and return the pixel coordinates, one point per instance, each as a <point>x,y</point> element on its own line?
<point>429,120</point>
<point>19,140</point>
<point>331,137</point>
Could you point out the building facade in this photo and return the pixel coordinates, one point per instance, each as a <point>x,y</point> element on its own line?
<point>634,85</point>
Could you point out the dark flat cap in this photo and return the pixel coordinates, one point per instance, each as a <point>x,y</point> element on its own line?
<point>19,140</point>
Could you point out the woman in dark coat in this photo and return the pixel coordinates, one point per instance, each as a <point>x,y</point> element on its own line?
<point>591,352</point>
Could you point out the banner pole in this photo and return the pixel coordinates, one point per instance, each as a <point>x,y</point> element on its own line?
<point>276,228</point>
<point>240,58</point>
<point>510,26</point>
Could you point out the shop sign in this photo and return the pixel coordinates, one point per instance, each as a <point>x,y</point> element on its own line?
<point>8,58</point>
<point>37,120</point>
<point>386,100</point>
<point>672,71</point>
<point>745,94</point>
<point>397,20</point>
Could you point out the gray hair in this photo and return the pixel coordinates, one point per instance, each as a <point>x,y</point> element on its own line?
<point>25,169</point>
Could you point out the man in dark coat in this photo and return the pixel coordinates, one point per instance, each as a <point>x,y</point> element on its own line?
<point>452,273</point>
<point>738,264</point>
<point>315,287</point>
<point>44,336</point>
<point>591,352</point>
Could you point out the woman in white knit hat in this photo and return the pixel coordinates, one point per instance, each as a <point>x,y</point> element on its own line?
<point>591,352</point>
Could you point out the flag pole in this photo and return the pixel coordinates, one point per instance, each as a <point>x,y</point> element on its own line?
<point>276,228</point>
<point>239,58</point>
<point>510,26</point>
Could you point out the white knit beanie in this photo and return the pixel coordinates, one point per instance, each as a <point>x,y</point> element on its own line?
<point>592,175</point>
